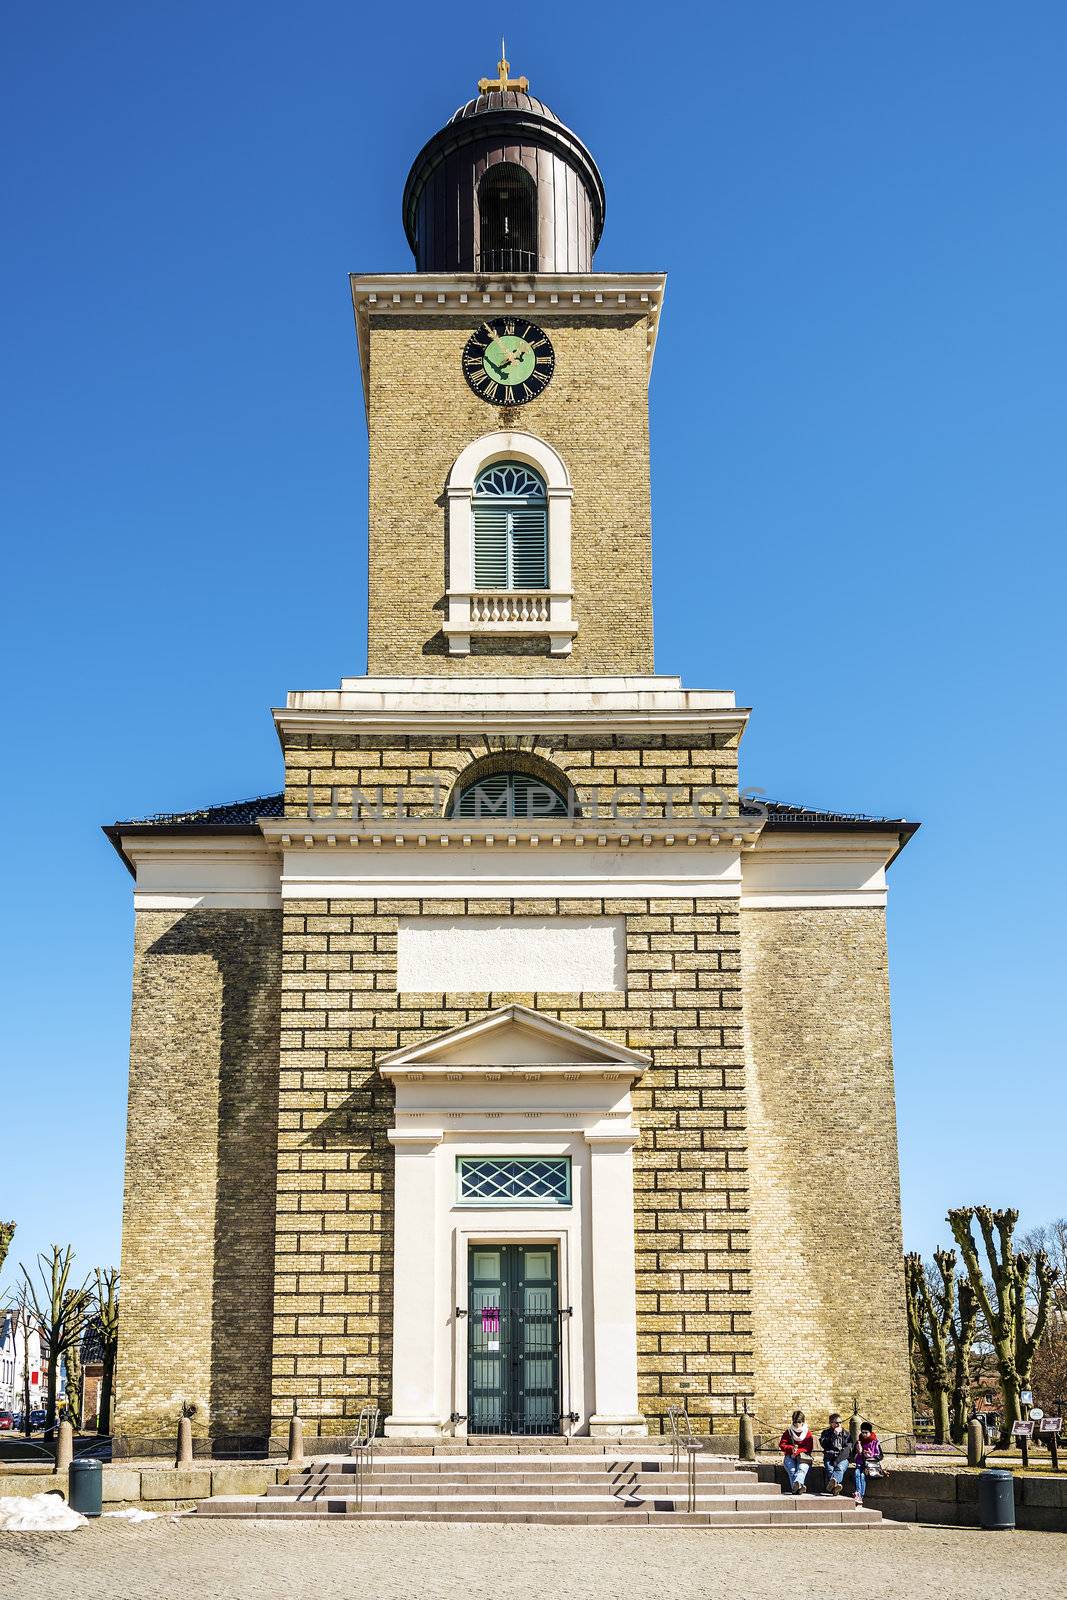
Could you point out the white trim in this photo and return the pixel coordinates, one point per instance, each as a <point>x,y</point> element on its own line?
<point>436,873</point>
<point>173,874</point>
<point>817,871</point>
<point>495,1034</point>
<point>553,605</point>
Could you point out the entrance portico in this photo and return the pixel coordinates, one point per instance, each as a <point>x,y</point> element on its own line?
<point>514,1132</point>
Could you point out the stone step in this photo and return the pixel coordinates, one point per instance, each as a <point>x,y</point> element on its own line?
<point>671,1488</point>
<point>538,1500</point>
<point>570,1463</point>
<point>780,1514</point>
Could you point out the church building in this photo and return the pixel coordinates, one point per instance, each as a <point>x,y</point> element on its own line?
<point>504,1068</point>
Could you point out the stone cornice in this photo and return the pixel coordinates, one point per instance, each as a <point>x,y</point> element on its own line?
<point>435,833</point>
<point>539,721</point>
<point>451,294</point>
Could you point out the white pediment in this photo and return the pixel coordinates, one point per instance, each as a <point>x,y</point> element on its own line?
<point>514,1041</point>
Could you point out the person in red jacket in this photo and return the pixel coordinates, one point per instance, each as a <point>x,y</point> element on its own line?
<point>796,1445</point>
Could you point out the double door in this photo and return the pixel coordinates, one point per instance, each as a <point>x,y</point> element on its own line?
<point>513,1339</point>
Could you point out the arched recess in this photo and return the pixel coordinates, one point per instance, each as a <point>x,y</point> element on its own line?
<point>503,763</point>
<point>507,219</point>
<point>546,611</point>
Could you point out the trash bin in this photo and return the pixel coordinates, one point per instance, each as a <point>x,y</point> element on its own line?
<point>996,1498</point>
<point>85,1487</point>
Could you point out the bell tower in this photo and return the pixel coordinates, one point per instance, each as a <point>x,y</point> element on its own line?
<point>506,386</point>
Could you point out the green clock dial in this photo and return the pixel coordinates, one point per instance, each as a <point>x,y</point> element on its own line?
<point>508,361</point>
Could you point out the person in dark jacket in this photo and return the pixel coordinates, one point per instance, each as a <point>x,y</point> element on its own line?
<point>835,1442</point>
<point>796,1445</point>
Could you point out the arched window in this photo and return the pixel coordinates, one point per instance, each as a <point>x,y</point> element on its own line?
<point>507,206</point>
<point>508,794</point>
<point>510,528</point>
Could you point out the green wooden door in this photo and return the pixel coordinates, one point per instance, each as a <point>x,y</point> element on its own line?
<point>513,1339</point>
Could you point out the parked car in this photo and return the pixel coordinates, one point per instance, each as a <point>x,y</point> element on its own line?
<point>38,1418</point>
<point>7,1421</point>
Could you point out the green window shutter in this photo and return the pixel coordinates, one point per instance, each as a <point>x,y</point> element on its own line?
<point>489,797</point>
<point>490,546</point>
<point>507,794</point>
<point>529,548</point>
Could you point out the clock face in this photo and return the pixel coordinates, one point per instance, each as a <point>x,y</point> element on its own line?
<point>508,361</point>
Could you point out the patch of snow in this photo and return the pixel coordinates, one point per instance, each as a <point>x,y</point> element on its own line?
<point>133,1514</point>
<point>37,1513</point>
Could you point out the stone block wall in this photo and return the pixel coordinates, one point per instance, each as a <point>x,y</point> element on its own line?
<point>829,1295</point>
<point>596,765</point>
<point>422,414</point>
<point>198,1209</point>
<point>340,1011</point>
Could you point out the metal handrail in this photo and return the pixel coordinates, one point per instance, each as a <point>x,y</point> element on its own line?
<point>683,1438</point>
<point>361,1447</point>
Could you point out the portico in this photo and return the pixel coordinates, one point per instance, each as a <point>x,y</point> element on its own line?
<point>514,1130</point>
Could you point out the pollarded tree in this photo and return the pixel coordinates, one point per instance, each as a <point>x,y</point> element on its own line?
<point>1015,1330</point>
<point>941,1326</point>
<point>59,1311</point>
<point>107,1316</point>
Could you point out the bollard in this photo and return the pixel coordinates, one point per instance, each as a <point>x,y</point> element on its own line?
<point>64,1447</point>
<point>184,1456</point>
<point>296,1442</point>
<point>854,1423</point>
<point>746,1441</point>
<point>975,1443</point>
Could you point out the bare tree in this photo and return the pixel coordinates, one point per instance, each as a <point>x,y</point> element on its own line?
<point>1050,1361</point>
<point>107,1316</point>
<point>1003,1298</point>
<point>941,1328</point>
<point>60,1313</point>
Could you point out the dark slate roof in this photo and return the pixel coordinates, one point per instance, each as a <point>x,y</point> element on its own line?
<point>237,814</point>
<point>503,100</point>
<point>240,816</point>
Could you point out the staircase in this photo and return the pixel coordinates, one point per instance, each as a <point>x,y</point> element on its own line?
<point>514,1481</point>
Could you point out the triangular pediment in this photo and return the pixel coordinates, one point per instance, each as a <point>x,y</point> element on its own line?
<point>515,1039</point>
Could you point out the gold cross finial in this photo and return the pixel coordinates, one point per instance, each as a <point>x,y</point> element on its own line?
<point>502,81</point>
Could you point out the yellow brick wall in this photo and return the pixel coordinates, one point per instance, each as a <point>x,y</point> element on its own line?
<point>594,413</point>
<point>596,765</point>
<point>198,1209</point>
<point>340,1011</point>
<point>828,1296</point>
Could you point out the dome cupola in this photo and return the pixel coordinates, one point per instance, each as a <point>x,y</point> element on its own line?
<point>504,187</point>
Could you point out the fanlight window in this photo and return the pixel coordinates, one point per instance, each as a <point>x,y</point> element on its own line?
<point>510,528</point>
<point>514,1180</point>
<point>509,794</point>
<point>507,206</point>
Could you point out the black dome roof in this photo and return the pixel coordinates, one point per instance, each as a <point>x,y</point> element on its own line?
<point>504,100</point>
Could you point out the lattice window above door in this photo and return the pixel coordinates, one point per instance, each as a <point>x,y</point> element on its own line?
<point>514,1180</point>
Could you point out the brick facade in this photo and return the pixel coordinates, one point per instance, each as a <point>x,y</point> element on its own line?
<point>340,1010</point>
<point>829,1303</point>
<point>421,414</point>
<point>198,1209</point>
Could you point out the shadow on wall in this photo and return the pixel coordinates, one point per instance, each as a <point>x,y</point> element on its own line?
<point>360,1126</point>
<point>246,949</point>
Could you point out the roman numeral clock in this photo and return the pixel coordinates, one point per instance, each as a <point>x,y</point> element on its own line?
<point>508,361</point>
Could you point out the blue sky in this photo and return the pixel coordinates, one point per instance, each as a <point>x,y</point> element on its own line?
<point>858,491</point>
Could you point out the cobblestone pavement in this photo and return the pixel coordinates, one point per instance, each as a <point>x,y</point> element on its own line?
<point>181,1559</point>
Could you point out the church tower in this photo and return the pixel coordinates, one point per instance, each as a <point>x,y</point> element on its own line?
<point>506,385</point>
<point>499,1074</point>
